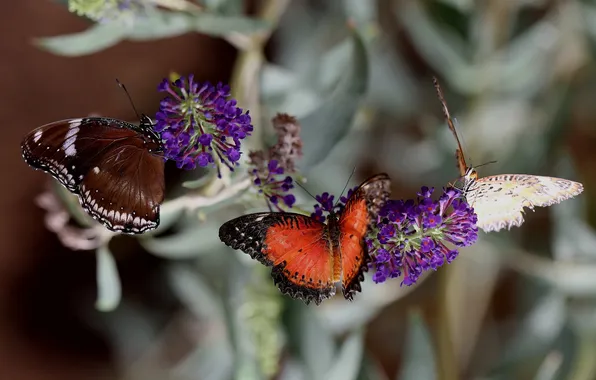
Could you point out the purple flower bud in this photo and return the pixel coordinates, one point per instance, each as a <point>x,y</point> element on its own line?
<point>205,139</point>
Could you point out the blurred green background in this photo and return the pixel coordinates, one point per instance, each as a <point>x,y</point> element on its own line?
<point>519,76</point>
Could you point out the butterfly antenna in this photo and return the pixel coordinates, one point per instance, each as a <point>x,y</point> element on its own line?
<point>129,97</point>
<point>304,188</point>
<point>486,163</point>
<point>346,186</point>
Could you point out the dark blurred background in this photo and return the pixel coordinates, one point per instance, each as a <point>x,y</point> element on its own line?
<point>44,285</point>
<point>533,116</point>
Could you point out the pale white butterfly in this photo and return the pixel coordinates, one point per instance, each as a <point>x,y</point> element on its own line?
<point>499,200</point>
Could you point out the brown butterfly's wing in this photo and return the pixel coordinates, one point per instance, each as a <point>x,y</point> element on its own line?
<point>113,166</point>
<point>499,201</point>
<point>296,246</point>
<point>126,191</point>
<point>354,223</point>
<point>459,153</point>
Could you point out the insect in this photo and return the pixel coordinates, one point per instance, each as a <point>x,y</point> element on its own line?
<point>499,200</point>
<point>309,257</point>
<point>116,168</point>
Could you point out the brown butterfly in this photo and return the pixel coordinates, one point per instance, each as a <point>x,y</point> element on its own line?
<point>499,200</point>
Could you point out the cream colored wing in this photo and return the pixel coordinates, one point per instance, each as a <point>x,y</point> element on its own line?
<point>499,200</point>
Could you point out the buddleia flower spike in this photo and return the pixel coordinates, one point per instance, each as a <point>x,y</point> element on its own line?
<point>200,124</point>
<point>412,236</point>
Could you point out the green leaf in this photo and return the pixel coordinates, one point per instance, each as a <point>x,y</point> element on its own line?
<point>419,359</point>
<point>537,332</point>
<point>347,363</point>
<point>72,205</point>
<point>169,24</point>
<point>199,182</point>
<point>156,25</point>
<point>578,279</point>
<point>92,40</point>
<point>167,218</point>
<point>109,290</point>
<point>192,241</point>
<point>213,357</point>
<point>325,126</point>
<point>241,338</point>
<point>193,291</point>
<point>372,369</point>
<point>309,339</point>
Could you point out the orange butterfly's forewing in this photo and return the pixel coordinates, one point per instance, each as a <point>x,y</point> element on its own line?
<point>299,248</point>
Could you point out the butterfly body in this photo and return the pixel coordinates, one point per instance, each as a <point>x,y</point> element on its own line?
<point>115,168</point>
<point>499,200</point>
<point>310,257</point>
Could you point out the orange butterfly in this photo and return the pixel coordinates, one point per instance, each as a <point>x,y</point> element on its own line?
<point>309,257</point>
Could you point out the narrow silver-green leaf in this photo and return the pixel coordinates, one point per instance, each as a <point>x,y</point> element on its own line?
<point>348,361</point>
<point>109,290</point>
<point>309,339</point>
<point>193,291</point>
<point>198,182</point>
<point>325,126</point>
<point>419,358</point>
<point>189,242</point>
<point>155,25</point>
<point>537,332</point>
<point>169,24</point>
<point>92,40</point>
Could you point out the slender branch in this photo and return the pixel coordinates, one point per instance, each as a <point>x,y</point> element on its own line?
<point>192,201</point>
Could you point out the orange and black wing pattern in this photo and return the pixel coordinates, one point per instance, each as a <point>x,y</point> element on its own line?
<point>298,248</point>
<point>361,210</point>
<point>459,153</point>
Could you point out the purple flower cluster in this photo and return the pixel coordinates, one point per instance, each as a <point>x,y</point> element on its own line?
<point>273,184</point>
<point>198,124</point>
<point>326,205</point>
<point>410,236</point>
<point>271,167</point>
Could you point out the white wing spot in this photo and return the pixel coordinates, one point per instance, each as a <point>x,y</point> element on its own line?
<point>69,143</point>
<point>37,136</point>
<point>96,170</point>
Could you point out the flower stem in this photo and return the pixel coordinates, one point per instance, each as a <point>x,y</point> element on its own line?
<point>246,72</point>
<point>192,201</point>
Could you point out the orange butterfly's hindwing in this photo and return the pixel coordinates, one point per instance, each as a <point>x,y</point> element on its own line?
<point>296,246</point>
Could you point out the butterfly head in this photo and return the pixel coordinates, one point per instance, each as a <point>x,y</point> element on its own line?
<point>152,138</point>
<point>471,175</point>
<point>146,121</point>
<point>469,179</point>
